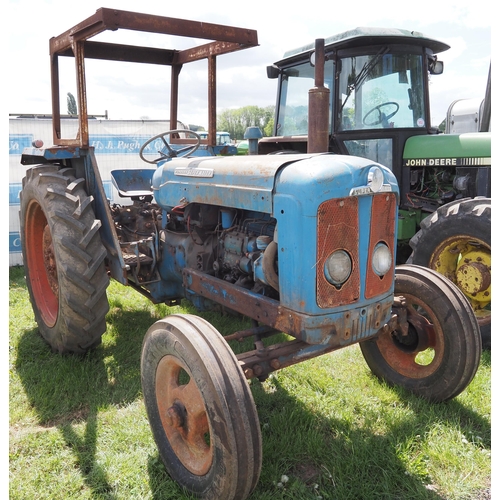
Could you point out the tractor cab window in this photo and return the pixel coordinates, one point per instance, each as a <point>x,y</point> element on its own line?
<point>382,90</point>
<point>296,82</point>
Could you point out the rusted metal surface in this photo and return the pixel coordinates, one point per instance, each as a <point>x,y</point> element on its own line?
<point>259,308</point>
<point>413,331</point>
<point>212,99</point>
<point>114,19</point>
<point>174,92</point>
<point>259,331</point>
<point>183,415</point>
<point>260,363</point>
<point>474,277</point>
<point>338,229</point>
<point>83,129</point>
<point>319,98</point>
<point>333,330</point>
<point>75,43</point>
<point>383,227</point>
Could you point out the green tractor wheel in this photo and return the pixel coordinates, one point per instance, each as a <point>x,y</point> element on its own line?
<point>456,242</point>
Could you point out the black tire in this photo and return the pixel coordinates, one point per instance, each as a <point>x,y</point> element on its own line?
<point>456,242</point>
<point>200,409</point>
<point>63,258</point>
<point>441,353</point>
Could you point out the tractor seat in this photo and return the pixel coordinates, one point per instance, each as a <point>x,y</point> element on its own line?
<point>133,183</point>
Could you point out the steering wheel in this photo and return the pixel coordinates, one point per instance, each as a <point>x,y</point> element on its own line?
<point>167,151</point>
<point>382,117</point>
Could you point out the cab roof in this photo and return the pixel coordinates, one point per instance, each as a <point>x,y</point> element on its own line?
<point>373,36</point>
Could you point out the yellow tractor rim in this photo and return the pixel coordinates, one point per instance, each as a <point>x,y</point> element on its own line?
<point>467,263</point>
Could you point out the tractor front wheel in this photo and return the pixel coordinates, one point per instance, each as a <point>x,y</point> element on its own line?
<point>63,257</point>
<point>200,409</point>
<point>437,350</point>
<point>455,241</point>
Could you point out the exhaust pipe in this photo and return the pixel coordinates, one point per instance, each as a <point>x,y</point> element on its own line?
<point>319,98</point>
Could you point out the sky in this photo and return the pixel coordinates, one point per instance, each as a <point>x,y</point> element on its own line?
<point>141,91</point>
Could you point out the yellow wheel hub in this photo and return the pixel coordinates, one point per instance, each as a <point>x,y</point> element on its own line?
<point>467,263</point>
<point>474,275</point>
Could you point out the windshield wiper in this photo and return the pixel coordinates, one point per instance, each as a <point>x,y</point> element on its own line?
<point>363,74</point>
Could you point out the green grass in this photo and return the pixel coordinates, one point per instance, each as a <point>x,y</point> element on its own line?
<point>78,427</point>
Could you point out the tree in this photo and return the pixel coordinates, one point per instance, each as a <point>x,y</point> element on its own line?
<point>236,121</point>
<point>269,128</point>
<point>72,109</point>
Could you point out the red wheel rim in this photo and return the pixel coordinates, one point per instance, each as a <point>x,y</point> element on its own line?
<point>183,415</point>
<point>40,261</point>
<point>424,357</point>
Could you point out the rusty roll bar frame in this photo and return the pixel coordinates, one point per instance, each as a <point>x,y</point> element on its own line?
<point>75,43</point>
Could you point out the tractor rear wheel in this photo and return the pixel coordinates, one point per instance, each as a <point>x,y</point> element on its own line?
<point>439,354</point>
<point>63,258</point>
<point>456,242</point>
<point>200,409</point>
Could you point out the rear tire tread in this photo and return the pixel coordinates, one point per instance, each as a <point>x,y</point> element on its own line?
<point>457,217</point>
<point>79,256</point>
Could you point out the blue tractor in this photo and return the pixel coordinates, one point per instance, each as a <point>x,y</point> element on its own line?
<point>299,243</point>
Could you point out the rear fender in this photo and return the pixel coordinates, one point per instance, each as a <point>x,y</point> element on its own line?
<point>95,188</point>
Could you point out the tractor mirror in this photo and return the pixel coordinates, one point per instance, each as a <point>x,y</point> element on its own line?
<point>273,72</point>
<point>436,67</point>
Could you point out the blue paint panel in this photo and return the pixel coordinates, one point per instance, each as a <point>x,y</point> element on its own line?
<point>17,142</point>
<point>246,182</point>
<point>108,189</point>
<point>14,242</point>
<point>14,190</point>
<point>103,143</point>
<point>299,189</point>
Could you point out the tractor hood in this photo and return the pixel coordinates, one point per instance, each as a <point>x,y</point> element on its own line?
<point>248,182</point>
<point>469,145</point>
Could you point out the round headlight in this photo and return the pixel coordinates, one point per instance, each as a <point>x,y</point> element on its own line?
<point>382,259</point>
<point>338,267</point>
<point>375,179</point>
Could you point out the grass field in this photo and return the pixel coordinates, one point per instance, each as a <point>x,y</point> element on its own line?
<point>78,427</point>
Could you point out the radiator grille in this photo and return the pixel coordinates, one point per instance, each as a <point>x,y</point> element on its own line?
<point>338,228</point>
<point>382,229</point>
